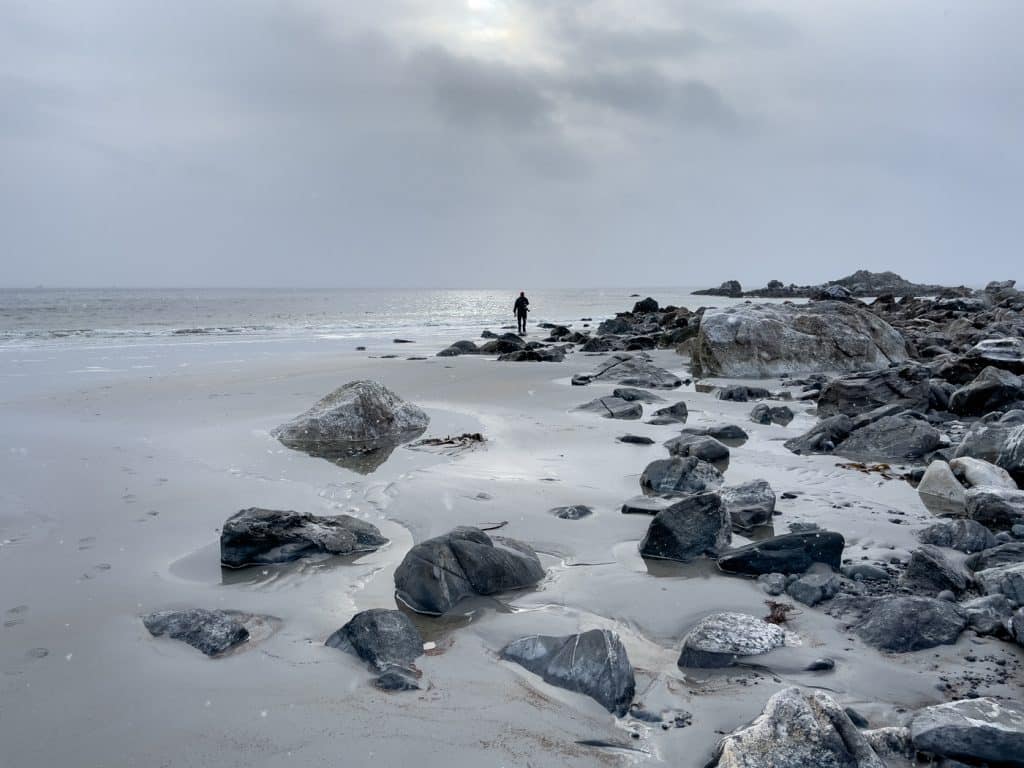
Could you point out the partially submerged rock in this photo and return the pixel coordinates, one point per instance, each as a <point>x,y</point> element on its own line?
<point>593,663</point>
<point>265,536</point>
<point>978,730</point>
<point>720,639</point>
<point>939,486</point>
<point>357,426</point>
<point>212,632</point>
<point>798,730</point>
<point>789,553</point>
<point>437,573</point>
<point>691,527</point>
<point>387,640</point>
<point>823,437</point>
<point>820,583</point>
<point>679,476</point>
<point>730,434</point>
<point>672,414</point>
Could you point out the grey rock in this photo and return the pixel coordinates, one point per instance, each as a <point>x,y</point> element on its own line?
<point>963,535</point>
<point>797,730</point>
<point>762,413</point>
<point>772,583</point>
<point>993,389</point>
<point>388,641</point>
<point>749,504</point>
<point>631,394</point>
<point>823,437</point>
<point>983,729</point>
<point>933,569</point>
<point>998,439</point>
<point>357,426</point>
<point>994,507</point>
<point>437,573</point>
<point>894,438</point>
<point>1008,553</point>
<point>212,632</point>
<point>613,408</point>
<point>636,439</point>
<point>672,414</point>
<point>765,340</point>
<point>720,639</point>
<point>645,505</point>
<point>789,553</point>
<point>739,393</point>
<point>865,572</point>
<point>635,371</point>
<point>645,306</point>
<point>730,434</point>
<point>815,586</point>
<point>901,624</point>
<point>593,663</point>
<point>679,476</point>
<point>1017,626</point>
<point>703,448</point>
<point>858,393</point>
<point>1005,580</point>
<point>691,527</point>
<point>988,615</point>
<point>573,512</point>
<point>977,473</point>
<point>264,536</point>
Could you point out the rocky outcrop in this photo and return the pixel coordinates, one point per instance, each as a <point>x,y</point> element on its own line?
<point>769,340</point>
<point>689,528</point>
<point>992,390</point>
<point>862,283</point>
<point>438,573</point>
<point>983,730</point>
<point>859,393</point>
<point>719,640</point>
<point>901,624</point>
<point>265,536</point>
<point>357,426</point>
<point>965,536</point>
<point>212,632</point>
<point>593,663</point>
<point>387,640</point>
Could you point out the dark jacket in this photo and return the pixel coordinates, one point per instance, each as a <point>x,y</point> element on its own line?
<point>520,307</point>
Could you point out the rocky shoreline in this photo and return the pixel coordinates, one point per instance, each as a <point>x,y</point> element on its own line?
<point>860,284</point>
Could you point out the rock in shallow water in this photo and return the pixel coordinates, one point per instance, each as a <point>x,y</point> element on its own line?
<point>694,526</point>
<point>593,663</point>
<point>388,640</point>
<point>720,639</point>
<point>573,512</point>
<point>798,730</point>
<point>679,476</point>
<point>212,632</point>
<point>762,413</point>
<point>984,729</point>
<point>749,504</point>
<point>789,553</point>
<point>265,536</point>
<point>437,573</point>
<point>939,484</point>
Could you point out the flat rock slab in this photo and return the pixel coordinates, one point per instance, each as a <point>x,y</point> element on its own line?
<point>387,640</point>
<point>645,505</point>
<point>634,371</point>
<point>258,536</point>
<point>976,730</point>
<point>613,408</point>
<point>212,632</point>
<point>438,573</point>
<point>789,553</point>
<point>593,663</point>
<point>720,639</point>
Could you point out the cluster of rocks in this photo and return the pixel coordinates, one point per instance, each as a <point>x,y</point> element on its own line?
<point>861,283</point>
<point>511,347</point>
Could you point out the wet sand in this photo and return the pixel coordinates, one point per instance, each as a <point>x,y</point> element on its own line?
<point>114,485</point>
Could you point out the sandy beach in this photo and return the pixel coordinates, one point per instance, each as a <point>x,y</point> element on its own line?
<point>115,485</point>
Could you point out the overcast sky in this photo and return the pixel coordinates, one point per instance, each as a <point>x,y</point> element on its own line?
<point>483,143</point>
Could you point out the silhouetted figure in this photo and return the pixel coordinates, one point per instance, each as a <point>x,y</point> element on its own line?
<point>519,309</point>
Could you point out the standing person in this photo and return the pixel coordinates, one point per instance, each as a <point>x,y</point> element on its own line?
<point>519,309</point>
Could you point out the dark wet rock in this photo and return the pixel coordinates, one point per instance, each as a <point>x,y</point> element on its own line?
<point>976,730</point>
<point>739,393</point>
<point>789,553</point>
<point>762,413</point>
<point>388,641</point>
<point>993,389</point>
<point>437,573</point>
<point>631,394</point>
<point>726,433</point>
<point>998,439</point>
<point>613,408</point>
<point>749,504</point>
<point>691,527</point>
<point>502,346</point>
<point>720,639</point>
<point>357,426</point>
<point>593,663</point>
<point>798,730</point>
<point>672,414</point>
<point>636,439</point>
<point>264,536</point>
<point>1017,626</point>
<point>645,505</point>
<point>963,535</point>
<point>614,326</point>
<point>1008,553</point>
<point>858,393</point>
<point>903,623</point>
<point>995,507</point>
<point>212,632</point>
<point>730,288</point>
<point>988,615</point>
<point>772,583</point>
<point>635,371</point>
<point>820,583</point>
<point>1007,354</point>
<point>464,347</point>
<point>535,355</point>
<point>823,437</point>
<point>1005,580</point>
<point>894,438</point>
<point>573,512</point>
<point>645,306</point>
<point>703,448</point>
<point>824,664</point>
<point>865,572</point>
<point>765,340</point>
<point>596,344</point>
<point>934,569</point>
<point>679,476</point>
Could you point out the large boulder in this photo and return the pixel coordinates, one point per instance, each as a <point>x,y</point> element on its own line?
<point>730,434</point>
<point>1007,354</point>
<point>978,473</point>
<point>789,553</point>
<point>438,573</point>
<point>593,663</point>
<point>645,306</point>
<point>719,640</point>
<point>703,448</point>
<point>264,536</point>
<point>798,730</point>
<point>386,639</point>
<point>357,426</point>
<point>634,371</point>
<point>766,340</point>
<point>998,439</point>
<point>212,632</point>
<point>678,476</point>
<point>966,536</point>
<point>977,730</point>
<point>995,507</point>
<point>749,504</point>
<point>1006,580</point>
<point>993,389</point>
<point>691,527</point>
<point>613,408</point>
<point>859,393</point>
<point>940,487</point>
<point>933,569</point>
<point>894,438</point>
<point>909,623</point>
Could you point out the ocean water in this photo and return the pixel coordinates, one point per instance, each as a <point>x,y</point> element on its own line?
<point>58,318</point>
